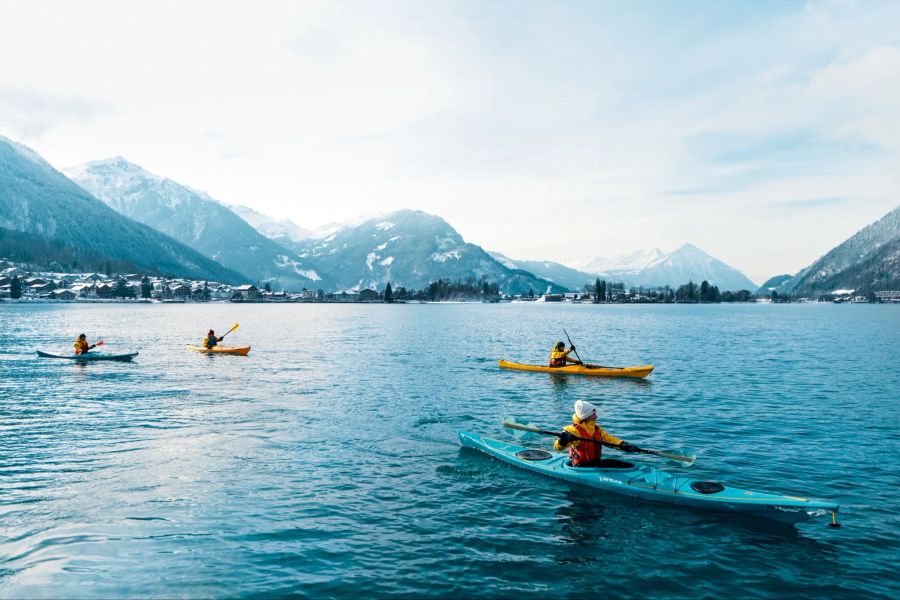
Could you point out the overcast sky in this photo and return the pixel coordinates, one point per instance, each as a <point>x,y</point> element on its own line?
<point>765,133</point>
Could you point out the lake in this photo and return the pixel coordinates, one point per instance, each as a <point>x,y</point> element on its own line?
<point>326,463</point>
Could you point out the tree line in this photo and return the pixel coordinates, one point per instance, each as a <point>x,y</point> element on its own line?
<point>447,290</point>
<point>705,293</point>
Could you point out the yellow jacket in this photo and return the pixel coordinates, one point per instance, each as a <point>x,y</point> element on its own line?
<point>559,357</point>
<point>589,426</point>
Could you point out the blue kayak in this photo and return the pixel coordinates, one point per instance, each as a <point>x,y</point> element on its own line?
<point>89,356</point>
<point>647,483</point>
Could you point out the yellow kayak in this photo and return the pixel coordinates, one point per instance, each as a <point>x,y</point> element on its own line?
<point>239,350</point>
<point>637,372</point>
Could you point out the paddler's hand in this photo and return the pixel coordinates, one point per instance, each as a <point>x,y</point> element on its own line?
<point>566,438</point>
<point>626,447</point>
<point>572,348</point>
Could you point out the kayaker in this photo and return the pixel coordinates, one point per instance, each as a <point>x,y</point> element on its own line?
<point>584,425</point>
<point>211,340</point>
<point>82,346</point>
<point>559,356</point>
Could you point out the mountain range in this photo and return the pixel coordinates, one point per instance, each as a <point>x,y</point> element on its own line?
<point>867,261</point>
<point>411,248</point>
<point>555,272</point>
<point>655,268</point>
<point>196,220</point>
<point>281,231</point>
<point>130,219</point>
<point>42,209</point>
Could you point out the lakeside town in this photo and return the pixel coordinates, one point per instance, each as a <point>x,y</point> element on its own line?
<point>18,282</point>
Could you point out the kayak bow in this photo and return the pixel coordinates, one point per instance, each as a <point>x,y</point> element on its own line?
<point>655,485</point>
<point>637,372</point>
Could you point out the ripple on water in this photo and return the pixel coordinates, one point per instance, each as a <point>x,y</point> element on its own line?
<point>326,462</point>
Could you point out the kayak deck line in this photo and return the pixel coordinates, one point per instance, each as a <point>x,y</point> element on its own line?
<point>634,372</point>
<point>651,484</point>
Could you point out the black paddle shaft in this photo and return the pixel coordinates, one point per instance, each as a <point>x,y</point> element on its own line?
<point>572,346</point>
<point>581,439</point>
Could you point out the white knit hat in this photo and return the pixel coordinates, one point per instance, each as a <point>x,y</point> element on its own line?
<point>585,410</point>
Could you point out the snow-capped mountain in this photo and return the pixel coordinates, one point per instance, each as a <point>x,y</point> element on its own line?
<point>411,249</point>
<point>867,261</point>
<point>195,219</point>
<point>560,274</point>
<point>281,231</point>
<point>630,263</point>
<point>654,268</point>
<point>46,209</point>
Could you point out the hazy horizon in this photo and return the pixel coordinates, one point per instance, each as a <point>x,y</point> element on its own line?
<point>763,133</point>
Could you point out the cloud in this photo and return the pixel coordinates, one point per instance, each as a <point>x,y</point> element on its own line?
<point>812,202</point>
<point>29,114</point>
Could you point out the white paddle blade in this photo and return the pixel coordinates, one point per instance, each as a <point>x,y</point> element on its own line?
<point>679,456</point>
<point>519,430</point>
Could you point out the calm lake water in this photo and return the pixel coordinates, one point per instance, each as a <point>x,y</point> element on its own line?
<point>326,462</point>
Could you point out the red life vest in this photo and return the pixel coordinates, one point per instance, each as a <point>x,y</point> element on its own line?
<point>558,358</point>
<point>81,346</point>
<point>586,454</point>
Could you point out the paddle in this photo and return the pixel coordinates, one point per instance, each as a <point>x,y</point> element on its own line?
<point>92,346</point>
<point>676,455</point>
<point>236,325</point>
<point>571,345</point>
<point>584,364</point>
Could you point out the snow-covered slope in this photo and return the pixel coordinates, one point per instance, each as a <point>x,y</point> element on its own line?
<point>867,261</point>
<point>281,231</point>
<point>653,268</point>
<point>410,249</point>
<point>44,206</point>
<point>195,219</point>
<point>560,274</point>
<point>628,263</point>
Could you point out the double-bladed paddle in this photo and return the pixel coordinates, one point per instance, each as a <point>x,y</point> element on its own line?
<point>584,364</point>
<point>676,455</point>
<point>236,325</point>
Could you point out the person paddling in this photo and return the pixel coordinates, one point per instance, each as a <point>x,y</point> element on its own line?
<point>82,346</point>
<point>211,340</point>
<point>559,356</point>
<point>584,425</point>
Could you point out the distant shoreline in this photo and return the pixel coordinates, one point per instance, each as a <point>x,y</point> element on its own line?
<point>144,301</point>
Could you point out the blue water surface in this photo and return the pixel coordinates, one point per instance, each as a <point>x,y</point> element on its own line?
<point>326,463</point>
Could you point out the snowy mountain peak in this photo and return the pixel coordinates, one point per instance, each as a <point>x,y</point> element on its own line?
<point>193,218</point>
<point>651,268</point>
<point>280,230</point>
<point>409,248</point>
<point>634,261</point>
<point>107,166</point>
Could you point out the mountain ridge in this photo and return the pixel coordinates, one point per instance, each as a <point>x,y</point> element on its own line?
<point>654,268</point>
<point>38,200</point>
<point>196,219</point>
<point>868,260</point>
<point>411,248</point>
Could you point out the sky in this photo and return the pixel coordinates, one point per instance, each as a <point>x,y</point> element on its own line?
<point>763,132</point>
